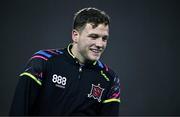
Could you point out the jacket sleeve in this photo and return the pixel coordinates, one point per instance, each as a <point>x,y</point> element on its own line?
<point>110,106</point>
<point>28,87</point>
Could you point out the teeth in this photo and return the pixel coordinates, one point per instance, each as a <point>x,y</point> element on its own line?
<point>96,51</point>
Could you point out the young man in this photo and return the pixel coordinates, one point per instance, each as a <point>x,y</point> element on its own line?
<point>71,81</point>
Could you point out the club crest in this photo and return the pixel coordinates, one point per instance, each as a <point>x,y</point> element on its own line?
<point>96,92</point>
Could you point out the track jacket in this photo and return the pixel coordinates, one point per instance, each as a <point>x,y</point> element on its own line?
<point>54,83</point>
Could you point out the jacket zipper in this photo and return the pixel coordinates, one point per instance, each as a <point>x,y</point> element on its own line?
<point>80,71</point>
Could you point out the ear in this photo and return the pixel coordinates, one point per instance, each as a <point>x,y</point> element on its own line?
<point>75,35</point>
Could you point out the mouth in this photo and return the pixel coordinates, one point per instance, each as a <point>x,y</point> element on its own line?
<point>96,50</point>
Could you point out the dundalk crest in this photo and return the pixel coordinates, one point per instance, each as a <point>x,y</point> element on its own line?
<point>96,92</point>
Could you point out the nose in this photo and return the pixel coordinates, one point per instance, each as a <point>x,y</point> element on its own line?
<point>100,43</point>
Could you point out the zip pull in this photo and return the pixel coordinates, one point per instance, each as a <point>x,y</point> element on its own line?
<point>80,70</point>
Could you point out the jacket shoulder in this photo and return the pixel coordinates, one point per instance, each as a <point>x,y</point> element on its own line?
<point>106,71</point>
<point>46,54</point>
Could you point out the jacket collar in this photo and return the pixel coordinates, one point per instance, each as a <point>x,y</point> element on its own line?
<point>75,60</point>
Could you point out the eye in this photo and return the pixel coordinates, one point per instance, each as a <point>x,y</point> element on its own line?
<point>105,38</point>
<point>93,36</point>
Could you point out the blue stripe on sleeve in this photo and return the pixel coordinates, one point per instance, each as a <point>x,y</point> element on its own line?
<point>43,53</point>
<point>60,52</point>
<point>100,64</point>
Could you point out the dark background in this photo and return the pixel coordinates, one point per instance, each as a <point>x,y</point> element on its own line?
<point>143,47</point>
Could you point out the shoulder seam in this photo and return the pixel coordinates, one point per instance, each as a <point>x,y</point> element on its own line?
<point>46,54</point>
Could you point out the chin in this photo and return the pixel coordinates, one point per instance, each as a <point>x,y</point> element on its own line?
<point>94,58</point>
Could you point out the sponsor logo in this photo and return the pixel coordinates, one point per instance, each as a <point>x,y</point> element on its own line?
<point>96,92</point>
<point>59,81</point>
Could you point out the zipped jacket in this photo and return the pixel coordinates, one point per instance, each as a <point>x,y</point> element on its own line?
<point>54,83</point>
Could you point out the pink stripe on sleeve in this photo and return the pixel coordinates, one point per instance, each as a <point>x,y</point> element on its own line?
<point>51,51</point>
<point>115,95</point>
<point>37,56</point>
<point>106,67</point>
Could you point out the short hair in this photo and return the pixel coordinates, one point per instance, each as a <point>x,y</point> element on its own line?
<point>90,15</point>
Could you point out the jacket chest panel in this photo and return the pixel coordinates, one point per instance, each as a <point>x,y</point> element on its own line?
<point>80,84</point>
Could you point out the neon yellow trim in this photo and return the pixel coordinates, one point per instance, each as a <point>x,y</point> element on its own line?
<point>94,62</point>
<point>68,48</point>
<point>111,100</point>
<point>70,51</point>
<point>104,75</point>
<point>31,76</point>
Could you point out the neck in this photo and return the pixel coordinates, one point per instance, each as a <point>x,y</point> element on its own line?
<point>76,54</point>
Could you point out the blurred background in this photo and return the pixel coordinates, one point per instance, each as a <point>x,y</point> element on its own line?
<point>143,47</point>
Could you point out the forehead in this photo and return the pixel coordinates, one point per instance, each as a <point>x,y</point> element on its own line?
<point>100,29</point>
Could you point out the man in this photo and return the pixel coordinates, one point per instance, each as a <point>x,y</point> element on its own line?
<point>71,81</point>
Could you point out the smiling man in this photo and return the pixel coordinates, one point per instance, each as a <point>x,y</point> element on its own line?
<point>90,43</point>
<point>71,81</point>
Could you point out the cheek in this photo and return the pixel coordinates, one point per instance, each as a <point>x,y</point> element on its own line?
<point>83,47</point>
<point>105,44</point>
<point>86,43</point>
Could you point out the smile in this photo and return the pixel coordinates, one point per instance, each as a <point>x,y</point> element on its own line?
<point>96,50</point>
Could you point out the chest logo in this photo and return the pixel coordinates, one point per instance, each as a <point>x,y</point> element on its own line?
<point>59,81</point>
<point>96,92</point>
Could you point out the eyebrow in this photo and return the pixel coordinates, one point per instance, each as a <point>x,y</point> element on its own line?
<point>93,34</point>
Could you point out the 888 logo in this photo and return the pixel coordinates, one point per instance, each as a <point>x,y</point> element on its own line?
<point>59,79</point>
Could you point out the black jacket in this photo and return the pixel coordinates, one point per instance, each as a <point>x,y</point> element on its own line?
<point>54,83</point>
